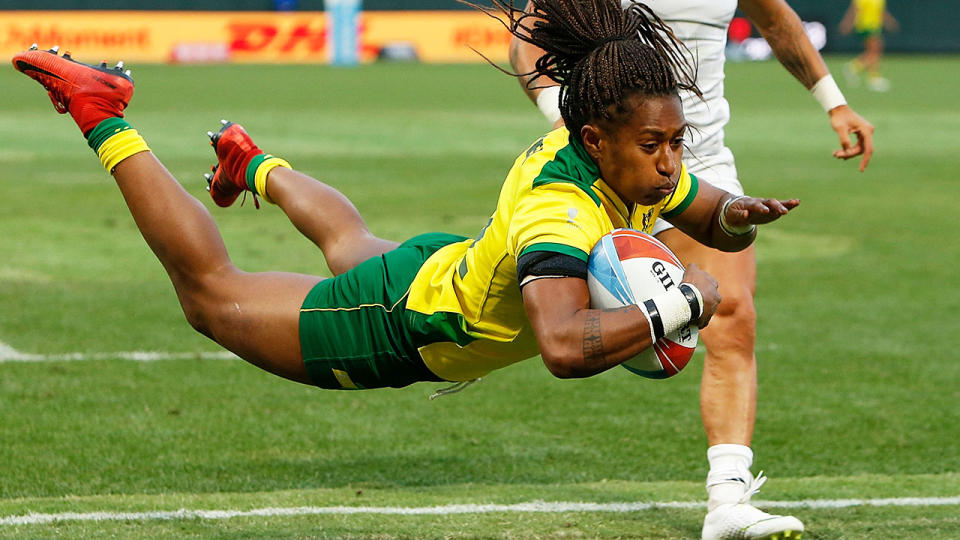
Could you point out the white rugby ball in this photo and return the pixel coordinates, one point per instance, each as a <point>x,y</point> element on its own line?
<point>627,267</point>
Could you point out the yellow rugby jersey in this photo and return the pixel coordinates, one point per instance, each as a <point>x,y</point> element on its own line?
<point>869,15</point>
<point>466,296</point>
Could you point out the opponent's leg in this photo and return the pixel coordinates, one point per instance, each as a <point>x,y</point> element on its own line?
<point>253,315</point>
<point>320,212</point>
<point>728,391</point>
<point>728,395</point>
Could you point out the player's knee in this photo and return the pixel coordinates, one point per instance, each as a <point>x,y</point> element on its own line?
<point>734,324</point>
<point>196,313</point>
<point>201,300</point>
<point>737,307</point>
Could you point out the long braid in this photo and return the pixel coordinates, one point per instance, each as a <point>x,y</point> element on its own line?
<point>599,54</point>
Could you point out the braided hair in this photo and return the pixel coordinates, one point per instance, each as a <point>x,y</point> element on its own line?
<point>600,55</point>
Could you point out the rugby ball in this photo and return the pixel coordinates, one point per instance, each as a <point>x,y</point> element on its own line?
<point>627,267</point>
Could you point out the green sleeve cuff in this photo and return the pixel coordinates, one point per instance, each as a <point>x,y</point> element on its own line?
<point>685,203</point>
<point>557,248</point>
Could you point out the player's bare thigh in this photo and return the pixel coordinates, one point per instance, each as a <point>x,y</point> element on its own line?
<point>257,317</point>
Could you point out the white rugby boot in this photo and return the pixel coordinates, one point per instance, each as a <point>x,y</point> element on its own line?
<point>743,521</point>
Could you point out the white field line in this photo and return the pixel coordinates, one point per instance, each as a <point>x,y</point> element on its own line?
<point>9,354</point>
<point>531,507</point>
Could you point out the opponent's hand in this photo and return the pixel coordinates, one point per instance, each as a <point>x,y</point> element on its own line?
<point>707,285</point>
<point>846,122</point>
<point>746,211</point>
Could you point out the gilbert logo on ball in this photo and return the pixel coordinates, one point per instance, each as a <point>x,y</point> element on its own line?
<point>627,267</point>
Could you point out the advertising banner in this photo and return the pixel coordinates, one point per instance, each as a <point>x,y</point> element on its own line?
<point>250,37</point>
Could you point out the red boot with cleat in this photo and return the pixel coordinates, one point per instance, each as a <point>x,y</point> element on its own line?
<point>90,94</point>
<point>235,151</point>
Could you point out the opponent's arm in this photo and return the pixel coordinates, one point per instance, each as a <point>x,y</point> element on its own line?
<point>726,222</point>
<point>783,30</point>
<point>523,59</point>
<point>576,341</point>
<point>781,27</point>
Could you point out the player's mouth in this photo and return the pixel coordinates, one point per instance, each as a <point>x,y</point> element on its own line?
<point>665,189</point>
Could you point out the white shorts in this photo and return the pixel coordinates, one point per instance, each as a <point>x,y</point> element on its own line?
<point>717,168</point>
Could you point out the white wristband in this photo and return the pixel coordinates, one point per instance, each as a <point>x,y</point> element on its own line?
<point>827,93</point>
<point>730,229</point>
<point>668,312</point>
<point>548,101</point>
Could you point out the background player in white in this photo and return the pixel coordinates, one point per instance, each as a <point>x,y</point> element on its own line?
<point>729,388</point>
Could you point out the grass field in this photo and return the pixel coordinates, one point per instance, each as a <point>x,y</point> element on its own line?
<point>858,330</point>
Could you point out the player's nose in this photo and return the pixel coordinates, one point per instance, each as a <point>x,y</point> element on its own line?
<point>667,163</point>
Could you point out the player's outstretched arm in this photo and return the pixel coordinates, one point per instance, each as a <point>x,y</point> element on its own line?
<point>576,341</point>
<point>726,222</point>
<point>783,30</point>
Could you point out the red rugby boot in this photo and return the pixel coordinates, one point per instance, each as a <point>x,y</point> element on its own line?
<point>235,149</point>
<point>90,94</point>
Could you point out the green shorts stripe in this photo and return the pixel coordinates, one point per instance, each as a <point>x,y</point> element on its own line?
<point>352,327</point>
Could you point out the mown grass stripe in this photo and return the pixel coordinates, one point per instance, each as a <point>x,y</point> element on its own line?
<point>9,354</point>
<point>531,507</point>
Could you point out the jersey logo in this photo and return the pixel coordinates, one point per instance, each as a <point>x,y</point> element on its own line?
<point>647,218</point>
<point>572,216</point>
<point>535,147</point>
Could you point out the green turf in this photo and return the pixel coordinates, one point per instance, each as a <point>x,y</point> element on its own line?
<point>857,295</point>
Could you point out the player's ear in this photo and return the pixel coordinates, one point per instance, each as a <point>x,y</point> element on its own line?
<point>592,138</point>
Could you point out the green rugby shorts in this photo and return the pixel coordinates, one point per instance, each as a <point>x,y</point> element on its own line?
<point>352,331</point>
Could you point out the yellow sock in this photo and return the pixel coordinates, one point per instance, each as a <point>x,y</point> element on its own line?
<point>114,141</point>
<point>257,171</point>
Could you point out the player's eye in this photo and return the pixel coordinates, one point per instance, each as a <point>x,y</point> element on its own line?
<point>678,141</point>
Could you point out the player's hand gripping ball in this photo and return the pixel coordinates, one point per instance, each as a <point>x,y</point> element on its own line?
<point>627,267</point>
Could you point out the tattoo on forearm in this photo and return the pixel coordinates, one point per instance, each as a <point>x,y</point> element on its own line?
<point>795,63</point>
<point>793,54</point>
<point>593,353</point>
<point>592,340</point>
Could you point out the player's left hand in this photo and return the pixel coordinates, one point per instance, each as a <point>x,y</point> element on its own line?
<point>846,122</point>
<point>753,211</point>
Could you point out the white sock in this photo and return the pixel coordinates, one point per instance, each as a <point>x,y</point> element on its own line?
<point>729,473</point>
